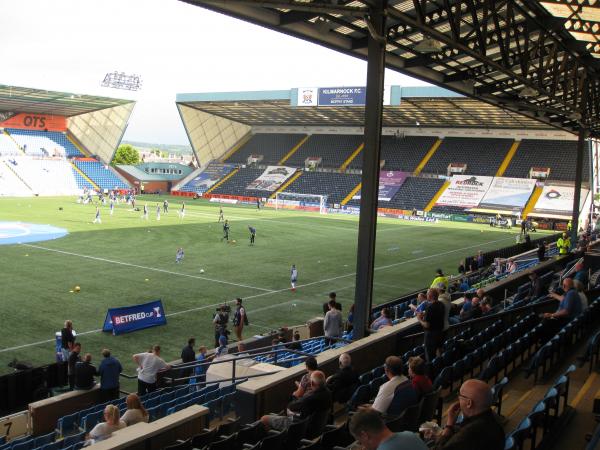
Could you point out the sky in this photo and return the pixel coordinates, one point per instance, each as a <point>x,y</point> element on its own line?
<point>70,45</point>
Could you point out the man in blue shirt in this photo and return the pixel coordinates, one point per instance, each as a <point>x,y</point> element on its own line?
<point>568,308</point>
<point>109,371</point>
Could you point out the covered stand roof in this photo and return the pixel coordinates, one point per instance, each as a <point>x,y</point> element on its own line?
<point>538,58</point>
<point>27,100</point>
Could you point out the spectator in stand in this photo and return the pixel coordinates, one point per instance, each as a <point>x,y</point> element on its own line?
<point>332,324</point>
<point>312,405</point>
<point>482,295</point>
<point>464,285</point>
<point>200,371</point>
<point>332,296</point>
<point>465,310</point>
<point>109,371</point>
<point>135,411</point>
<point>479,426</point>
<point>393,371</point>
<point>535,286</point>
<point>350,319</point>
<point>480,260</point>
<point>569,308</point>
<point>303,386</point>
<point>84,374</point>
<point>369,429</point>
<point>485,307</point>
<point>383,320</point>
<point>433,323</point>
<point>222,349</point>
<point>580,279</point>
<point>416,372</point>
<point>461,267</point>
<point>445,300</point>
<point>112,422</point>
<point>421,305</point>
<point>511,266</point>
<point>343,383</point>
<point>67,340</point>
<point>439,278</point>
<point>149,364</point>
<point>239,319</point>
<point>74,358</point>
<point>476,311</point>
<point>295,344</point>
<point>188,355</point>
<point>541,251</point>
<point>582,296</point>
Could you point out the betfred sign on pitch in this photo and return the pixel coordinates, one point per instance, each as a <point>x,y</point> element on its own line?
<point>132,318</point>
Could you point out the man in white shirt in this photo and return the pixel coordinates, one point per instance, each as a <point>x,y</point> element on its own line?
<point>393,370</point>
<point>149,364</point>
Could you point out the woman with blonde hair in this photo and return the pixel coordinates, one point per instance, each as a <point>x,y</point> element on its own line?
<point>135,411</point>
<point>111,423</point>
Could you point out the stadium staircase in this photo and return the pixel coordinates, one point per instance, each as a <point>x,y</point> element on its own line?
<point>289,154</point>
<point>78,144</point>
<point>83,181</point>
<point>434,148</point>
<point>21,151</point>
<point>289,181</point>
<point>236,185</point>
<point>44,176</point>
<point>508,158</point>
<point>351,158</point>
<point>11,182</point>
<point>532,201</point>
<point>352,193</point>
<point>272,146</point>
<point>483,156</point>
<point>559,156</point>
<point>223,180</point>
<point>101,175</point>
<point>435,198</point>
<point>401,153</point>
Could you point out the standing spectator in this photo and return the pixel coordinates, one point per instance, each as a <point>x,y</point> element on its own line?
<point>149,364</point>
<point>220,320</point>
<point>445,300</point>
<point>393,371</point>
<point>109,371</point>
<point>74,358</point>
<point>479,424</point>
<point>370,431</point>
<point>295,344</point>
<point>350,319</point>
<point>239,319</point>
<point>188,355</point>
<point>563,244</point>
<point>343,383</point>
<point>461,267</point>
<point>433,323</point>
<point>84,374</point>
<point>580,279</point>
<point>112,422</point>
<point>541,251</point>
<point>383,320</point>
<point>332,296</point>
<point>135,411</point>
<point>200,371</point>
<point>416,372</point>
<point>332,324</point>
<point>303,386</point>
<point>67,340</point>
<point>439,278</point>
<point>480,260</point>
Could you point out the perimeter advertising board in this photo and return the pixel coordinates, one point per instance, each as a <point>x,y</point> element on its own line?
<point>272,178</point>
<point>465,191</point>
<point>132,318</point>
<point>209,177</point>
<point>40,122</point>
<point>558,199</point>
<point>508,192</point>
<point>390,182</point>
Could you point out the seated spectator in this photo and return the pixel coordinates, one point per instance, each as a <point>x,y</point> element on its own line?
<point>383,320</point>
<point>421,305</point>
<point>105,429</point>
<point>569,308</point>
<point>393,372</point>
<point>476,311</point>
<point>247,361</point>
<point>485,307</point>
<point>481,295</point>
<point>440,278</point>
<point>479,425</point>
<point>222,349</point>
<point>135,411</point>
<point>303,386</point>
<point>464,285</point>
<point>312,405</point>
<point>295,344</point>
<point>511,266</point>
<point>416,372</point>
<point>535,286</point>
<point>84,374</point>
<point>343,383</point>
<point>580,279</point>
<point>369,429</point>
<point>465,311</point>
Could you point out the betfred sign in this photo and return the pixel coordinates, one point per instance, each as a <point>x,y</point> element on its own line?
<point>40,122</point>
<point>133,318</point>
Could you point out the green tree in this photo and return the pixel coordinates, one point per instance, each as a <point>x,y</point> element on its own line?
<point>126,154</point>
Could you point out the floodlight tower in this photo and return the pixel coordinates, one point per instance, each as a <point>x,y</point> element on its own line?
<point>120,80</point>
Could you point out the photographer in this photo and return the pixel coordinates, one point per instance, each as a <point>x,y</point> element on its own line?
<point>221,319</point>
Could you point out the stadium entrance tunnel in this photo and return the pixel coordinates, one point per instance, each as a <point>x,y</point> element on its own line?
<point>21,233</point>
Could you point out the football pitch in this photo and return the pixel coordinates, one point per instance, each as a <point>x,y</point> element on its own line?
<point>127,260</point>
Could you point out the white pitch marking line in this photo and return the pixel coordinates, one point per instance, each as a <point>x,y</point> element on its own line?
<point>147,268</point>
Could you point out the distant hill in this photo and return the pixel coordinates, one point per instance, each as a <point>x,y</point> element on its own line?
<point>172,148</point>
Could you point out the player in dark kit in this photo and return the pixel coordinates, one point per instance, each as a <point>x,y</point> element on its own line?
<point>225,231</point>
<point>258,203</point>
<point>221,217</point>
<point>252,234</point>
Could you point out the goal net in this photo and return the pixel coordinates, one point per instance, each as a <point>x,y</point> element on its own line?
<point>308,202</point>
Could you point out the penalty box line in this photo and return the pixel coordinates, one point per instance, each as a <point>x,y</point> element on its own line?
<point>200,308</point>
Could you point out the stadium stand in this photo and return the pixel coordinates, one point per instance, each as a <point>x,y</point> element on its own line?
<point>8,146</point>
<point>99,174</point>
<point>44,176</point>
<point>10,184</point>
<point>559,156</point>
<point>44,143</point>
<point>400,153</point>
<point>334,149</point>
<point>273,147</point>
<point>483,156</point>
<point>236,185</point>
<point>214,170</point>
<point>335,185</point>
<point>414,193</point>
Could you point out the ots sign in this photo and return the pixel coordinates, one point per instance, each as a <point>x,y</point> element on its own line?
<point>42,122</point>
<point>133,318</point>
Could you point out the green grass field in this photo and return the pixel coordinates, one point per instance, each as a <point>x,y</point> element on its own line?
<point>126,260</point>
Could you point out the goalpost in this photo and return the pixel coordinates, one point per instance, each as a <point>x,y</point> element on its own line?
<point>301,201</point>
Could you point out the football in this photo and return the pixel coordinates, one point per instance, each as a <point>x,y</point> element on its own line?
<point>201,270</point>
<point>77,289</point>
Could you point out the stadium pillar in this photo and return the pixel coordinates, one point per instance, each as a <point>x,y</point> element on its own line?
<point>578,180</point>
<point>363,294</point>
